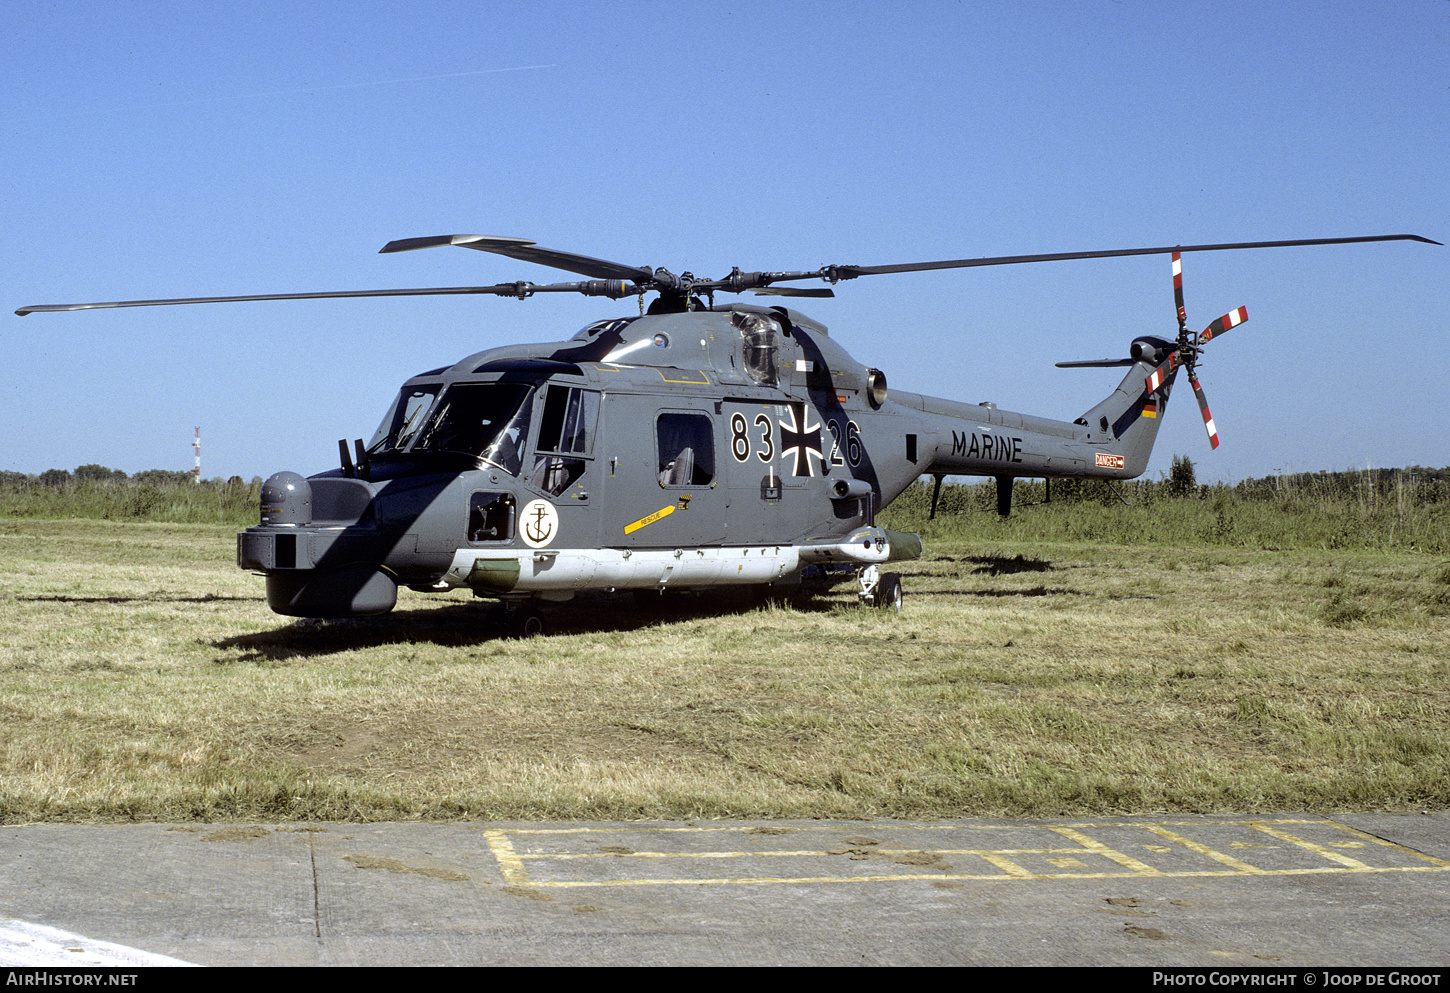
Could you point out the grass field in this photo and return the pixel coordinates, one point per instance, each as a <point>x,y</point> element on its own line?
<point>142,677</point>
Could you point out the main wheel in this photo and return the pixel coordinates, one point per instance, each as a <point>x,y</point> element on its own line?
<point>889,592</point>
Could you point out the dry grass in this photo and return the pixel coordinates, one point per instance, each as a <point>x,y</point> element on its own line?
<point>142,676</point>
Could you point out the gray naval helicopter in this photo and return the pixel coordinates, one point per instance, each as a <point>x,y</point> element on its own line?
<point>693,446</point>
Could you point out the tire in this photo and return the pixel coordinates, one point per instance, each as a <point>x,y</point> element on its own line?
<point>889,592</point>
<point>527,623</point>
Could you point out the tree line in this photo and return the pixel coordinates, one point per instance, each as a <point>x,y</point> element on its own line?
<point>1357,508</point>
<point>101,475</point>
<point>97,491</point>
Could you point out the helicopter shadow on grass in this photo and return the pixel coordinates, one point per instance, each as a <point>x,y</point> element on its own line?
<point>159,597</point>
<point>461,625</point>
<point>1000,565</point>
<point>997,565</point>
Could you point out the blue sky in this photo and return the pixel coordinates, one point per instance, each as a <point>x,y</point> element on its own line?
<point>187,149</point>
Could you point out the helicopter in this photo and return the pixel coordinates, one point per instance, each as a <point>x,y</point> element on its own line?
<point>692,446</point>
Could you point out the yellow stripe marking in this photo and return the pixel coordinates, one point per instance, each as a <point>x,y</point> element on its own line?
<point>992,853</point>
<point>1098,848</point>
<point>643,521</point>
<point>936,877</point>
<point>1390,844</point>
<point>1006,865</point>
<point>1203,849</point>
<point>1343,860</point>
<point>509,863</point>
<point>1003,860</point>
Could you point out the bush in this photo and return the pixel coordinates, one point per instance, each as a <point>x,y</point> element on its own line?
<point>1181,480</point>
<point>99,474</point>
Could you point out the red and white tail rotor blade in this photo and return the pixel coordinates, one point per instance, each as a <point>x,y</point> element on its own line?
<point>1203,408</point>
<point>1160,375</point>
<point>1230,320</point>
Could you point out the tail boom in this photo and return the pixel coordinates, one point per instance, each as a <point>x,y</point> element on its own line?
<point>1113,440</point>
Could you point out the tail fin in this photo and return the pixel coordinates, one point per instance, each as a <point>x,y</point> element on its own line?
<point>1131,416</point>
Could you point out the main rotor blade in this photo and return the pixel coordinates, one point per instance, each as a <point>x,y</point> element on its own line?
<point>613,279</point>
<point>1230,320</point>
<point>595,288</point>
<point>1095,363</point>
<point>852,271</point>
<point>793,291</point>
<point>1178,293</point>
<point>526,251</point>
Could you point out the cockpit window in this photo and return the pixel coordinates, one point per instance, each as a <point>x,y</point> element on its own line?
<point>488,421</point>
<point>568,420</point>
<point>566,427</point>
<point>400,425</point>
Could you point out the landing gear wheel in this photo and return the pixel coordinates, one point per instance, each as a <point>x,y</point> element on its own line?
<point>527,622</point>
<point>879,589</point>
<point>889,593</point>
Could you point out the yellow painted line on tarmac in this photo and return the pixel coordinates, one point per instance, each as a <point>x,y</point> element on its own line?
<point>1310,846</point>
<point>1390,844</point>
<point>1203,849</point>
<point>1098,848</point>
<point>1005,860</point>
<point>934,878</point>
<point>1006,865</point>
<point>751,880</point>
<point>803,853</point>
<point>509,862</point>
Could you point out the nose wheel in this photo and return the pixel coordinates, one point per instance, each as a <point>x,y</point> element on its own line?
<point>879,589</point>
<point>526,622</point>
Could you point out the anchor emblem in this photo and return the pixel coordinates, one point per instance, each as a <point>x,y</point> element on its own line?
<point>539,522</point>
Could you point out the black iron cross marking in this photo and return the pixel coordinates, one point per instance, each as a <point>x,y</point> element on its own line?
<point>804,442</point>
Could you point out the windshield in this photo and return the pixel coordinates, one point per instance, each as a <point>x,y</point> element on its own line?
<point>489,421</point>
<point>402,421</point>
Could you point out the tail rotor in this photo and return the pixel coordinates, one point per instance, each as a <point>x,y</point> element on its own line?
<point>1188,347</point>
